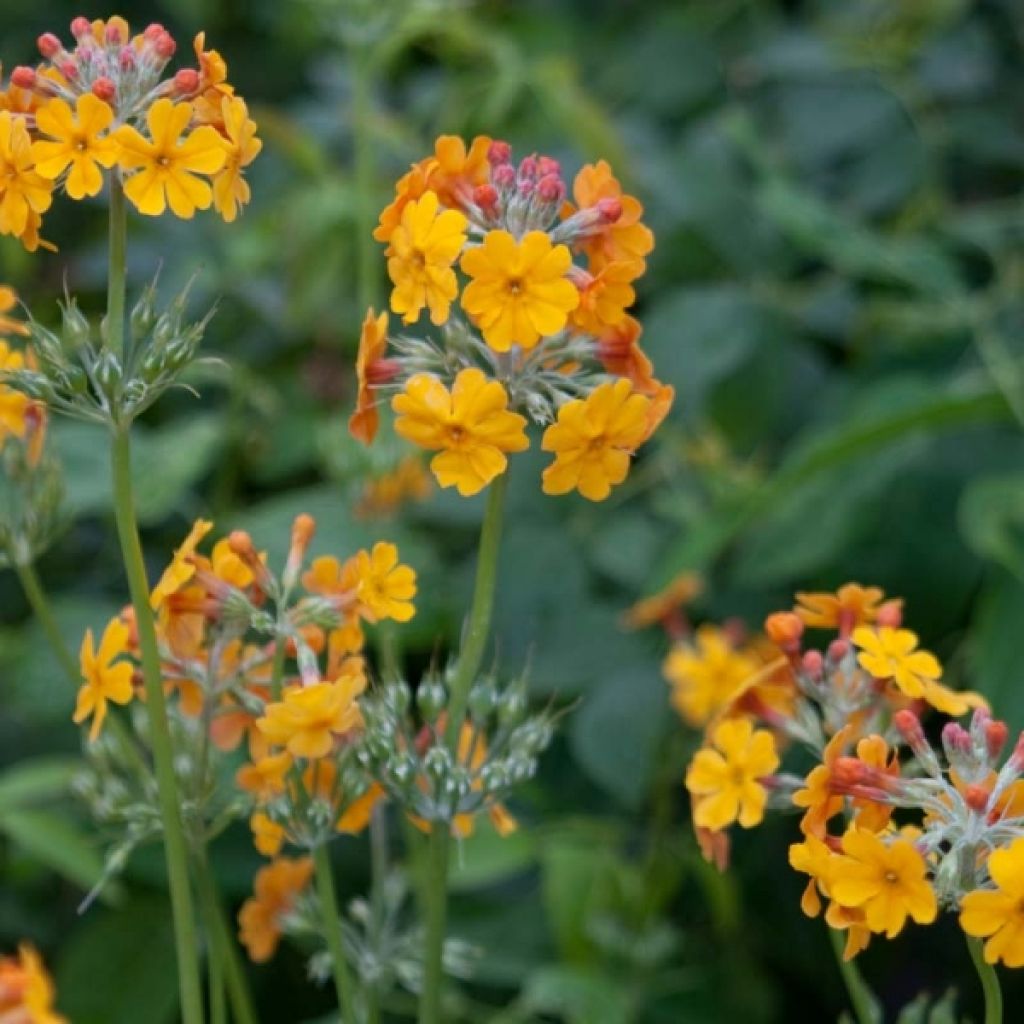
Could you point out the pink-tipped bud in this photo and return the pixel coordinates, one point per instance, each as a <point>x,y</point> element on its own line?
<point>69,69</point>
<point>485,196</point>
<point>838,649</point>
<point>23,77</point>
<point>186,81</point>
<point>154,30</point>
<point>498,152</point>
<point>104,89</point>
<point>165,45</point>
<point>890,614</point>
<point>548,165</point>
<point>813,664</point>
<point>81,27</point>
<point>126,59</point>
<point>382,371</point>
<point>1016,759</point>
<point>909,726</point>
<point>956,739</point>
<point>976,797</point>
<point>526,189</point>
<point>551,189</point>
<point>113,34</point>
<point>504,176</point>
<point>996,735</point>
<point>528,168</point>
<point>49,45</point>
<point>610,209</point>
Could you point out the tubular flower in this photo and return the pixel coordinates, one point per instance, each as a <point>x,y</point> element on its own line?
<point>230,189</point>
<point>997,915</point>
<point>385,588</point>
<point>817,797</point>
<point>277,888</point>
<point>106,679</point>
<point>75,140</point>
<point>24,193</point>
<point>26,990</point>
<point>470,427</point>
<point>726,781</point>
<point>309,717</point>
<point>373,342</point>
<point>889,653</point>
<point>422,249</point>
<point>851,606</point>
<point>166,165</point>
<point>888,881</point>
<point>594,439</point>
<point>519,292</point>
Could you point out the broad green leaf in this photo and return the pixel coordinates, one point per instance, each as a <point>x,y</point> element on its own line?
<point>992,518</point>
<point>36,780</point>
<point>52,839</point>
<point>578,995</point>
<point>486,858</point>
<point>993,652</point>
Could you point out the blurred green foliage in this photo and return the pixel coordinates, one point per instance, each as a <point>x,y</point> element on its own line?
<point>836,294</point>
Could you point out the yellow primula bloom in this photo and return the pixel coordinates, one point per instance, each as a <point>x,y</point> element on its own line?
<point>606,297</point>
<point>14,406</point>
<point>953,702</point>
<point>230,189</point>
<point>277,887</point>
<point>888,881</point>
<point>997,915</point>
<point>677,593</point>
<point>889,653</point>
<point>309,717</point>
<point>705,676</point>
<point>625,238</point>
<point>725,781</point>
<point>229,567</point>
<point>386,588</point>
<point>267,835</point>
<point>26,990</point>
<point>181,569</point>
<point>817,797</point>
<point>594,440</point>
<point>421,251</point>
<point>373,343</point>
<point>357,814</point>
<point>470,427</point>
<point>264,778</point>
<point>519,292</point>
<point>166,164</point>
<point>106,679</point>
<point>23,191</point>
<point>850,606</point>
<point>76,141</point>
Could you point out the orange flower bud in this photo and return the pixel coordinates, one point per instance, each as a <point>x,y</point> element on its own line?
<point>785,630</point>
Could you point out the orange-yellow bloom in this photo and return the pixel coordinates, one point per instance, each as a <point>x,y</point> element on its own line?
<point>850,606</point>
<point>76,141</point>
<point>308,719</point>
<point>385,589</point>
<point>166,165</point>
<point>230,189</point>
<point>373,342</point>
<point>519,292</point>
<point>619,350</point>
<point>276,889</point>
<point>680,591</point>
<point>605,297</point>
<point>8,301</point>
<point>594,439</point>
<point>14,405</point>
<point>421,251</point>
<point>264,778</point>
<point>997,915</point>
<point>470,427</point>
<point>26,990</point>
<point>889,653</point>
<point>181,569</point>
<point>24,193</point>
<point>267,835</point>
<point>726,781</point>
<point>106,679</point>
<point>623,239</point>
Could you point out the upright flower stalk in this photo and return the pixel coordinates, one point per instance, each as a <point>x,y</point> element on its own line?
<point>993,994</point>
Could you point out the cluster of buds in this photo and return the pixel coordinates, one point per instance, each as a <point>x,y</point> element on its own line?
<point>525,333</point>
<point>106,105</point>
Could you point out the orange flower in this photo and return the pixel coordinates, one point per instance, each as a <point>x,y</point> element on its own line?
<point>623,239</point>
<point>106,679</point>
<point>26,991</point>
<point>618,349</point>
<point>678,593</point>
<point>277,888</point>
<point>309,717</point>
<point>817,796</point>
<point>605,297</point>
<point>851,606</point>
<point>373,342</point>
<point>24,193</point>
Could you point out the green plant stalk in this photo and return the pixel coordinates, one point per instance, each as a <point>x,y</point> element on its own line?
<point>474,643</point>
<point>989,982</point>
<point>36,597</point>
<point>277,668</point>
<point>862,999</point>
<point>118,260</point>
<point>378,880</point>
<point>332,928</point>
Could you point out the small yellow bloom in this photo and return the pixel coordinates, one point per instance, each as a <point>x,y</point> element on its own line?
<point>14,406</point>
<point>26,990</point>
<point>850,606</point>
<point>421,251</point>
<point>470,427</point>
<point>105,678</point>
<point>309,717</point>
<point>357,814</point>
<point>230,189</point>
<point>166,164</point>
<point>373,342</point>
<point>76,141</point>
<point>181,569</point>
<point>277,887</point>
<point>667,602</point>
<point>889,653</point>
<point>23,191</point>
<point>264,778</point>
<point>386,588</point>
<point>519,292</point>
<point>229,567</point>
<point>725,781</point>
<point>267,834</point>
<point>594,440</point>
<point>998,914</point>
<point>888,881</point>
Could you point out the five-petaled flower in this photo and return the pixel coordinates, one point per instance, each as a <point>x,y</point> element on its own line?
<point>889,653</point>
<point>309,717</point>
<point>106,678</point>
<point>76,140</point>
<point>997,915</point>
<point>385,588</point>
<point>230,189</point>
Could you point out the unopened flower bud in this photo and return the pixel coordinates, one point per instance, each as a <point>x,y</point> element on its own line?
<point>81,27</point>
<point>498,153</point>
<point>976,797</point>
<point>104,89</point>
<point>610,209</point>
<point>108,373</point>
<point>785,630</point>
<point>75,330</point>
<point>143,314</point>
<point>437,763</point>
<point>813,664</point>
<point>528,169</point>
<point>890,614</point>
<point>1016,759</point>
<point>165,45</point>
<point>512,705</point>
<point>69,69</point>
<point>838,649</point>
<point>154,30</point>
<point>551,189</point>
<point>549,165</point>
<point>996,734</point>
<point>398,696</point>
<point>482,699</point>
<point>23,77</point>
<point>909,727</point>
<point>186,81</point>
<point>956,741</point>
<point>485,196</point>
<point>504,176</point>
<point>126,59</point>
<point>113,33</point>
<point>431,698</point>
<point>303,528</point>
<point>49,45</point>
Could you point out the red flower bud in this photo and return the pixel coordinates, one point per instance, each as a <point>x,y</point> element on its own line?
<point>909,726</point>
<point>498,153</point>
<point>813,664</point>
<point>186,81</point>
<point>23,77</point>
<point>69,69</point>
<point>112,34</point>
<point>548,165</point>
<point>890,614</point>
<point>485,196</point>
<point>551,189</point>
<point>610,209</point>
<point>153,32</point>
<point>996,734</point>
<point>528,168</point>
<point>104,89</point>
<point>1017,757</point>
<point>49,45</point>
<point>165,45</point>
<point>126,59</point>
<point>976,797</point>
<point>837,650</point>
<point>81,27</point>
<point>956,738</point>
<point>785,630</point>
<point>504,176</point>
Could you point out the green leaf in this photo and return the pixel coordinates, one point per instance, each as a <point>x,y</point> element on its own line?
<point>486,858</point>
<point>53,840</point>
<point>993,651</point>
<point>577,995</point>
<point>992,519</point>
<point>36,780</point>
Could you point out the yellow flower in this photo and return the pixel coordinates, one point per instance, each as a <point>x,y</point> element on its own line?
<point>660,607</point>
<point>26,991</point>
<point>105,678</point>
<point>309,717</point>
<point>264,778</point>
<point>605,297</point>
<point>706,676</point>
<point>23,191</point>
<point>953,702</point>
<point>75,141</point>
<point>357,814</point>
<point>888,881</point>
<point>181,569</point>
<point>385,589</point>
<point>277,887</point>
<point>373,342</point>
<point>230,189</point>
<point>594,439</point>
<point>384,494</point>
<point>470,427</point>
<point>267,834</point>
<point>623,239</point>
<point>889,653</point>
<point>850,606</point>
<point>166,165</point>
<point>421,251</point>
<point>14,406</point>
<point>725,782</point>
<point>519,292</point>
<point>8,301</point>
<point>998,914</point>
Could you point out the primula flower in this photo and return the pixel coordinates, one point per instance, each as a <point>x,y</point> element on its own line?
<point>889,881</point>
<point>519,292</point>
<point>850,606</point>
<point>23,191</point>
<point>373,342</point>
<point>106,679</point>
<point>618,349</point>
<point>76,141</point>
<point>9,301</point>
<point>624,238</point>
<point>385,494</point>
<point>26,991</point>
<point>276,889</point>
<point>309,717</point>
<point>660,607</point>
<point>594,439</point>
<point>265,777</point>
<point>725,781</point>
<point>230,189</point>
<point>471,427</point>
<point>385,589</point>
<point>356,816</point>
<point>889,653</point>
<point>267,835</point>
<point>605,296</point>
<point>166,164</point>
<point>818,798</point>
<point>14,405</point>
<point>181,569</point>
<point>421,251</point>
<point>997,915</point>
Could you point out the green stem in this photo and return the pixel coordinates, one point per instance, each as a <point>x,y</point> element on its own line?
<point>865,1006</point>
<point>989,982</point>
<point>41,609</point>
<point>175,848</point>
<point>118,267</point>
<point>378,896</point>
<point>332,928</point>
<point>277,668</point>
<point>362,138</point>
<point>436,899</point>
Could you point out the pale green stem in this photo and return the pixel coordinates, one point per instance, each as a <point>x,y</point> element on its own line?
<point>862,999</point>
<point>332,927</point>
<point>989,982</point>
<point>277,668</point>
<point>41,609</point>
<point>118,265</point>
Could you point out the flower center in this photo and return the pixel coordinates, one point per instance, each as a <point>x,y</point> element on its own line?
<point>891,877</point>
<point>456,434</point>
<point>515,285</point>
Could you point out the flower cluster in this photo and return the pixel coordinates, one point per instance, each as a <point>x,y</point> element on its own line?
<point>106,104</point>
<point>485,248</point>
<point>26,991</point>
